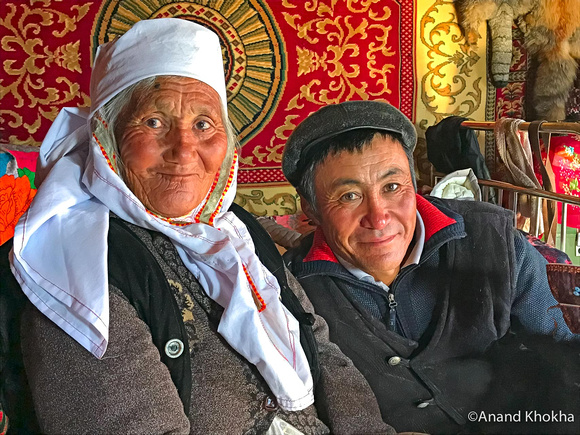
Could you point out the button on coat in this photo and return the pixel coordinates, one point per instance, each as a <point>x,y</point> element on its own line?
<point>174,348</point>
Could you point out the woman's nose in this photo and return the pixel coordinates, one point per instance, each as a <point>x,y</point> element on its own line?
<point>376,215</point>
<point>182,145</point>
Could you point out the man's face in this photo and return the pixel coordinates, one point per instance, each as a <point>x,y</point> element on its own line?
<point>172,141</point>
<point>367,207</point>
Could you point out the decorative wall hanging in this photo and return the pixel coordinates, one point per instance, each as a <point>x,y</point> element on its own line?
<point>451,74</point>
<point>283,60</point>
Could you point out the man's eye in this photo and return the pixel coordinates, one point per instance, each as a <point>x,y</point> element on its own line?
<point>391,187</point>
<point>350,196</point>
<point>202,125</point>
<point>153,123</point>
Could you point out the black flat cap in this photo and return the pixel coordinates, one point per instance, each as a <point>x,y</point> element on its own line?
<point>335,119</point>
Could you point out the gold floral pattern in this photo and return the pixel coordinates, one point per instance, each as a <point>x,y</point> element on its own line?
<point>450,85</point>
<point>268,201</point>
<point>451,74</point>
<point>334,47</point>
<point>339,58</point>
<point>26,86</point>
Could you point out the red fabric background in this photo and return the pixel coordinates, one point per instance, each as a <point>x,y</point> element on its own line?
<point>325,45</point>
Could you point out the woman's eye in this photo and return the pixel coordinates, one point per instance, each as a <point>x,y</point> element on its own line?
<point>202,125</point>
<point>350,196</point>
<point>153,123</point>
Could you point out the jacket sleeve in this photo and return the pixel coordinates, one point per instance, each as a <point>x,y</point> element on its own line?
<point>343,398</point>
<point>129,390</point>
<point>533,304</point>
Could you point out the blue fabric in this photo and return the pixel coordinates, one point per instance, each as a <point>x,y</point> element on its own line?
<point>5,158</point>
<point>459,311</point>
<point>534,302</point>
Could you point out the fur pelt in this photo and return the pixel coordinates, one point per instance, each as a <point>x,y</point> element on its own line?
<point>551,31</point>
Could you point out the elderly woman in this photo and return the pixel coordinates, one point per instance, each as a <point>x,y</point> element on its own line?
<point>130,230</point>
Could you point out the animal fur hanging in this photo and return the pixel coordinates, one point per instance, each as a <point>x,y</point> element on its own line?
<point>551,31</point>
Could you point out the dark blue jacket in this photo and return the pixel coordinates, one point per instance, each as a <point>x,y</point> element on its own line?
<point>477,280</point>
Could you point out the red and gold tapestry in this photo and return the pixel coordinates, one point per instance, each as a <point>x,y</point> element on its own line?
<point>283,60</point>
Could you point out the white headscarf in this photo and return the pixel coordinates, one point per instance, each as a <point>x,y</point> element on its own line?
<point>60,244</point>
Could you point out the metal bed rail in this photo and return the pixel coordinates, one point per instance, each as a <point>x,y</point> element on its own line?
<point>546,127</point>
<point>516,191</point>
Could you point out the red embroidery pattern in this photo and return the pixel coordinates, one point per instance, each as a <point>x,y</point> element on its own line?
<point>104,153</point>
<point>257,298</point>
<point>198,216</point>
<point>169,220</point>
<point>228,185</point>
<point>102,121</point>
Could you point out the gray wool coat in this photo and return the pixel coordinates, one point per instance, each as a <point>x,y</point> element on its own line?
<point>130,390</point>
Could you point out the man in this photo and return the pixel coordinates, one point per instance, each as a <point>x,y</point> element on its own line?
<point>417,292</point>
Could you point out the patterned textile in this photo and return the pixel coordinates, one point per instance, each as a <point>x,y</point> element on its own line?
<point>16,194</point>
<point>450,74</point>
<point>514,101</point>
<point>16,189</point>
<point>551,254</point>
<point>283,60</point>
<point>565,158</point>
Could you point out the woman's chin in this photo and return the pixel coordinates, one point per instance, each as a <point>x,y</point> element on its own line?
<point>172,211</point>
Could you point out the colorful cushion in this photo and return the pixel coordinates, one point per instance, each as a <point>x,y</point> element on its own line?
<point>16,188</point>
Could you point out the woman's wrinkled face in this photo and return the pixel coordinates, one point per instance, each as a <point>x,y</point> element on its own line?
<point>172,142</point>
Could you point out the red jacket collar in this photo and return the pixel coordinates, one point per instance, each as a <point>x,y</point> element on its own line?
<point>433,218</point>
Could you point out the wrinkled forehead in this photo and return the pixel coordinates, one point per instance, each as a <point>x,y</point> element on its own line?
<point>177,94</point>
<point>159,47</point>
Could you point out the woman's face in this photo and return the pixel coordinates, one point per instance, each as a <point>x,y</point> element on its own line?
<point>172,142</point>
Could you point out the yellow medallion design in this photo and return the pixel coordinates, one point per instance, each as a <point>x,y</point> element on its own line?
<point>252,48</point>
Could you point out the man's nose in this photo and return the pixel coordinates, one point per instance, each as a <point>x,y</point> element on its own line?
<point>182,145</point>
<point>376,215</point>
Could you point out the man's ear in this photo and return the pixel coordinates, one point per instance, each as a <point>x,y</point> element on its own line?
<point>308,211</point>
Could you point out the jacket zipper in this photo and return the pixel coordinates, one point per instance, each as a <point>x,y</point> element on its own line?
<point>392,312</point>
<point>392,321</point>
